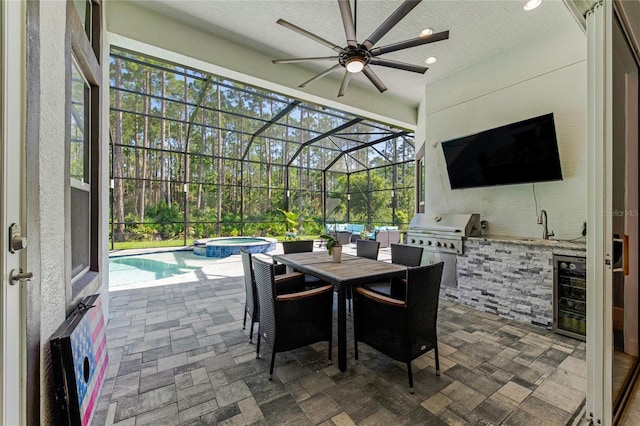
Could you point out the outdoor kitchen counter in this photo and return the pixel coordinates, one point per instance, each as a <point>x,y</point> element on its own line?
<point>551,243</point>
<point>508,276</point>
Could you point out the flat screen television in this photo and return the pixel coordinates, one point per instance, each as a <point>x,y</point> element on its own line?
<point>522,152</point>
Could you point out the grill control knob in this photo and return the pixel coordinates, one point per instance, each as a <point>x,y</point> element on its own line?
<point>413,241</point>
<point>421,242</point>
<point>429,242</point>
<point>438,244</point>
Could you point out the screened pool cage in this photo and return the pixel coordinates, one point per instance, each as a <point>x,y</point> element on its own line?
<point>194,155</point>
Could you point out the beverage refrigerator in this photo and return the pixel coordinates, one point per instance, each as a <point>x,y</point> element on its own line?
<point>570,296</point>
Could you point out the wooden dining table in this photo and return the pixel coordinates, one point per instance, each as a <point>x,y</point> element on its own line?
<point>352,271</point>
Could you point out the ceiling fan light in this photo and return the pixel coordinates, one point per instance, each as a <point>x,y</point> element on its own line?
<point>431,60</point>
<point>355,65</point>
<point>426,32</point>
<point>532,4</point>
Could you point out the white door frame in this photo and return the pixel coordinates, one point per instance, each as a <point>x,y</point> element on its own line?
<point>600,23</point>
<point>12,54</point>
<point>599,224</point>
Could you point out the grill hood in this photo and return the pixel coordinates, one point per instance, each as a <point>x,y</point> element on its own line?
<point>461,224</point>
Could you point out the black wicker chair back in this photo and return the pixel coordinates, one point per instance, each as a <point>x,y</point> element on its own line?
<point>251,302</point>
<point>293,320</point>
<point>402,330</point>
<point>367,248</point>
<point>302,246</point>
<point>285,283</point>
<point>403,254</point>
<point>297,246</point>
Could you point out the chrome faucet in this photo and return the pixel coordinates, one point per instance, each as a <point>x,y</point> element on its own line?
<point>542,220</point>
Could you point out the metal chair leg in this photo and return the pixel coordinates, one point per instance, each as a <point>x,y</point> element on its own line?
<point>258,347</point>
<point>273,361</point>
<point>251,331</point>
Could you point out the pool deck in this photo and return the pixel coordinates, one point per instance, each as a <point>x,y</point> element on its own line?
<point>219,268</point>
<point>178,356</point>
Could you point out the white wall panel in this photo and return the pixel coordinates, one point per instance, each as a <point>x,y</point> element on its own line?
<point>545,75</point>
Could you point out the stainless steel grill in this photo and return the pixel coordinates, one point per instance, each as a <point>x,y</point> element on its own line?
<point>442,238</point>
<point>443,233</point>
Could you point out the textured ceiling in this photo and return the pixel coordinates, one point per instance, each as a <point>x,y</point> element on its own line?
<point>478,29</point>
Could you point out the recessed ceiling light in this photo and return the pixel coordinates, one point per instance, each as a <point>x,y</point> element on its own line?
<point>532,4</point>
<point>426,32</point>
<point>431,60</point>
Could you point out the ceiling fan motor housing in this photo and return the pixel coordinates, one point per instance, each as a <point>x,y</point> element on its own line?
<point>351,53</point>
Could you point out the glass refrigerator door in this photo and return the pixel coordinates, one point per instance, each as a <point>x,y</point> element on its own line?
<point>570,296</point>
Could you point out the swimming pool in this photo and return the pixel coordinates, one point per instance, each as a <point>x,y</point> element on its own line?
<point>139,268</point>
<point>228,246</point>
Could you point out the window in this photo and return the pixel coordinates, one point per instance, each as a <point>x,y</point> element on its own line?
<point>84,8</point>
<point>83,145</point>
<point>79,154</point>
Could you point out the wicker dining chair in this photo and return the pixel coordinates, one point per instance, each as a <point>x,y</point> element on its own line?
<point>285,283</point>
<point>367,248</point>
<point>294,320</point>
<point>407,255</point>
<point>297,246</point>
<point>401,254</point>
<point>402,330</point>
<point>302,246</point>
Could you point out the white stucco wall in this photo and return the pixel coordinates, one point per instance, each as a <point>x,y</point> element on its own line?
<point>545,75</point>
<point>45,199</point>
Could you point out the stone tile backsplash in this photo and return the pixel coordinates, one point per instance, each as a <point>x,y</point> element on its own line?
<point>507,278</point>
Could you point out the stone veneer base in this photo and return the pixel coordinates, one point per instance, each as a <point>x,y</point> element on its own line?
<point>509,278</point>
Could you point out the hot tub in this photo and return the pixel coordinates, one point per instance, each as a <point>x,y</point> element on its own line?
<point>227,246</point>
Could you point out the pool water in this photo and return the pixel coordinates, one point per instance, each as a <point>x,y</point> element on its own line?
<point>141,268</point>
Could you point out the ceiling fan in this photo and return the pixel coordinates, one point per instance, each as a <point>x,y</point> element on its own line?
<point>357,57</point>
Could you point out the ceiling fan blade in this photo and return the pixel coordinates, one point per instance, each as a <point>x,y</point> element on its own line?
<point>398,65</point>
<point>294,60</point>
<point>418,41</point>
<point>374,78</point>
<point>319,76</point>
<point>308,34</point>
<point>406,7</point>
<point>345,83</point>
<point>347,22</point>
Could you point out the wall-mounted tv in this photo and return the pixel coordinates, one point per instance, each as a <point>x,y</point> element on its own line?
<point>522,152</point>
